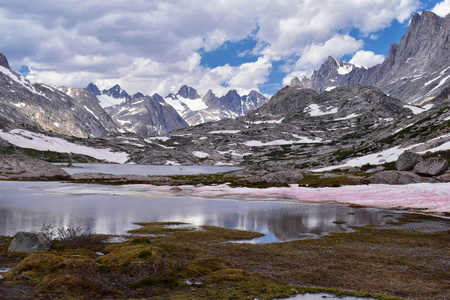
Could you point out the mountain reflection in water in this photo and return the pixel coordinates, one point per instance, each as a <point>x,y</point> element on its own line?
<point>26,206</point>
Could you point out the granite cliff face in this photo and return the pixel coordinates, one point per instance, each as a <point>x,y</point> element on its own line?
<point>415,70</point>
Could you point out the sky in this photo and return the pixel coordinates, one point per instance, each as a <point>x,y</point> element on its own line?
<point>154,46</point>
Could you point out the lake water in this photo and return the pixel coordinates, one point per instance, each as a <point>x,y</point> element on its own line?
<point>145,170</point>
<point>26,206</point>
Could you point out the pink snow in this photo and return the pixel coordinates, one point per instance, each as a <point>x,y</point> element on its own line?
<point>429,197</point>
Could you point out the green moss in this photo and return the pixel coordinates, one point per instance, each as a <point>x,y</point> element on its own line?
<point>312,180</point>
<point>159,228</point>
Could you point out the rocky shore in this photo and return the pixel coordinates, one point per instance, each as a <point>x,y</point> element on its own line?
<point>409,168</point>
<point>21,167</point>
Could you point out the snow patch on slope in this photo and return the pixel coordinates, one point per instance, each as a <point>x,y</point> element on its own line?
<point>41,142</point>
<point>315,110</point>
<point>106,101</point>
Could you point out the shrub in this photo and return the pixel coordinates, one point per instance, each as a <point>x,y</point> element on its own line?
<point>70,236</point>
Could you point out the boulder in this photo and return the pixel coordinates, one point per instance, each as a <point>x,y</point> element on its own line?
<point>398,177</point>
<point>433,166</point>
<point>283,176</point>
<point>29,242</point>
<point>407,161</point>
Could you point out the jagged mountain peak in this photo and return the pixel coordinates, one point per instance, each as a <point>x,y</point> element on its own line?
<point>93,89</point>
<point>232,93</point>
<point>138,95</point>
<point>4,61</point>
<point>255,94</point>
<point>117,92</point>
<point>295,81</point>
<point>158,98</point>
<point>188,92</point>
<point>208,94</point>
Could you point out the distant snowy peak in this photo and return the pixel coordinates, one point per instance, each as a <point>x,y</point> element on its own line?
<point>327,77</point>
<point>112,96</point>
<point>186,101</point>
<point>188,92</point>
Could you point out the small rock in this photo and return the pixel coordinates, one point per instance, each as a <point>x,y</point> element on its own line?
<point>433,166</point>
<point>444,178</point>
<point>29,242</point>
<point>407,161</point>
<point>176,189</point>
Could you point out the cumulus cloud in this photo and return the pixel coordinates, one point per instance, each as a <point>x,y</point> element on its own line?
<point>442,9</point>
<point>337,46</point>
<point>366,58</point>
<point>157,46</point>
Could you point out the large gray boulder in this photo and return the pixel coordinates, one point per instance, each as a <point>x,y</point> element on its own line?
<point>407,161</point>
<point>283,176</point>
<point>29,242</point>
<point>433,166</point>
<point>398,177</point>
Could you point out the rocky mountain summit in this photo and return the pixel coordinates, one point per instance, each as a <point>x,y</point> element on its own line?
<point>415,70</point>
<point>112,96</point>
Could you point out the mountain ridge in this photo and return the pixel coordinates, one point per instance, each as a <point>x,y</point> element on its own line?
<point>415,70</point>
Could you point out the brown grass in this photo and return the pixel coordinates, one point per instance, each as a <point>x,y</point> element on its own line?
<point>382,263</point>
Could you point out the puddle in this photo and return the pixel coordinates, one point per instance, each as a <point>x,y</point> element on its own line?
<point>116,239</point>
<point>323,296</point>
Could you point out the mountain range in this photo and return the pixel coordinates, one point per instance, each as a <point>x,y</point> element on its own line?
<point>344,115</point>
<point>192,108</point>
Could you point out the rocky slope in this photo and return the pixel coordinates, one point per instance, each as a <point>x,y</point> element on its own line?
<point>415,70</point>
<point>146,116</point>
<point>303,129</point>
<point>44,106</point>
<point>351,128</point>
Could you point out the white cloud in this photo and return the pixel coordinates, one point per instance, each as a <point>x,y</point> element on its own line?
<point>442,9</point>
<point>156,46</point>
<point>337,46</point>
<point>366,58</point>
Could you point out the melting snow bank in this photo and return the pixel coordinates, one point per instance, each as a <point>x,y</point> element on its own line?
<point>324,296</point>
<point>41,142</point>
<point>441,143</point>
<point>427,197</point>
